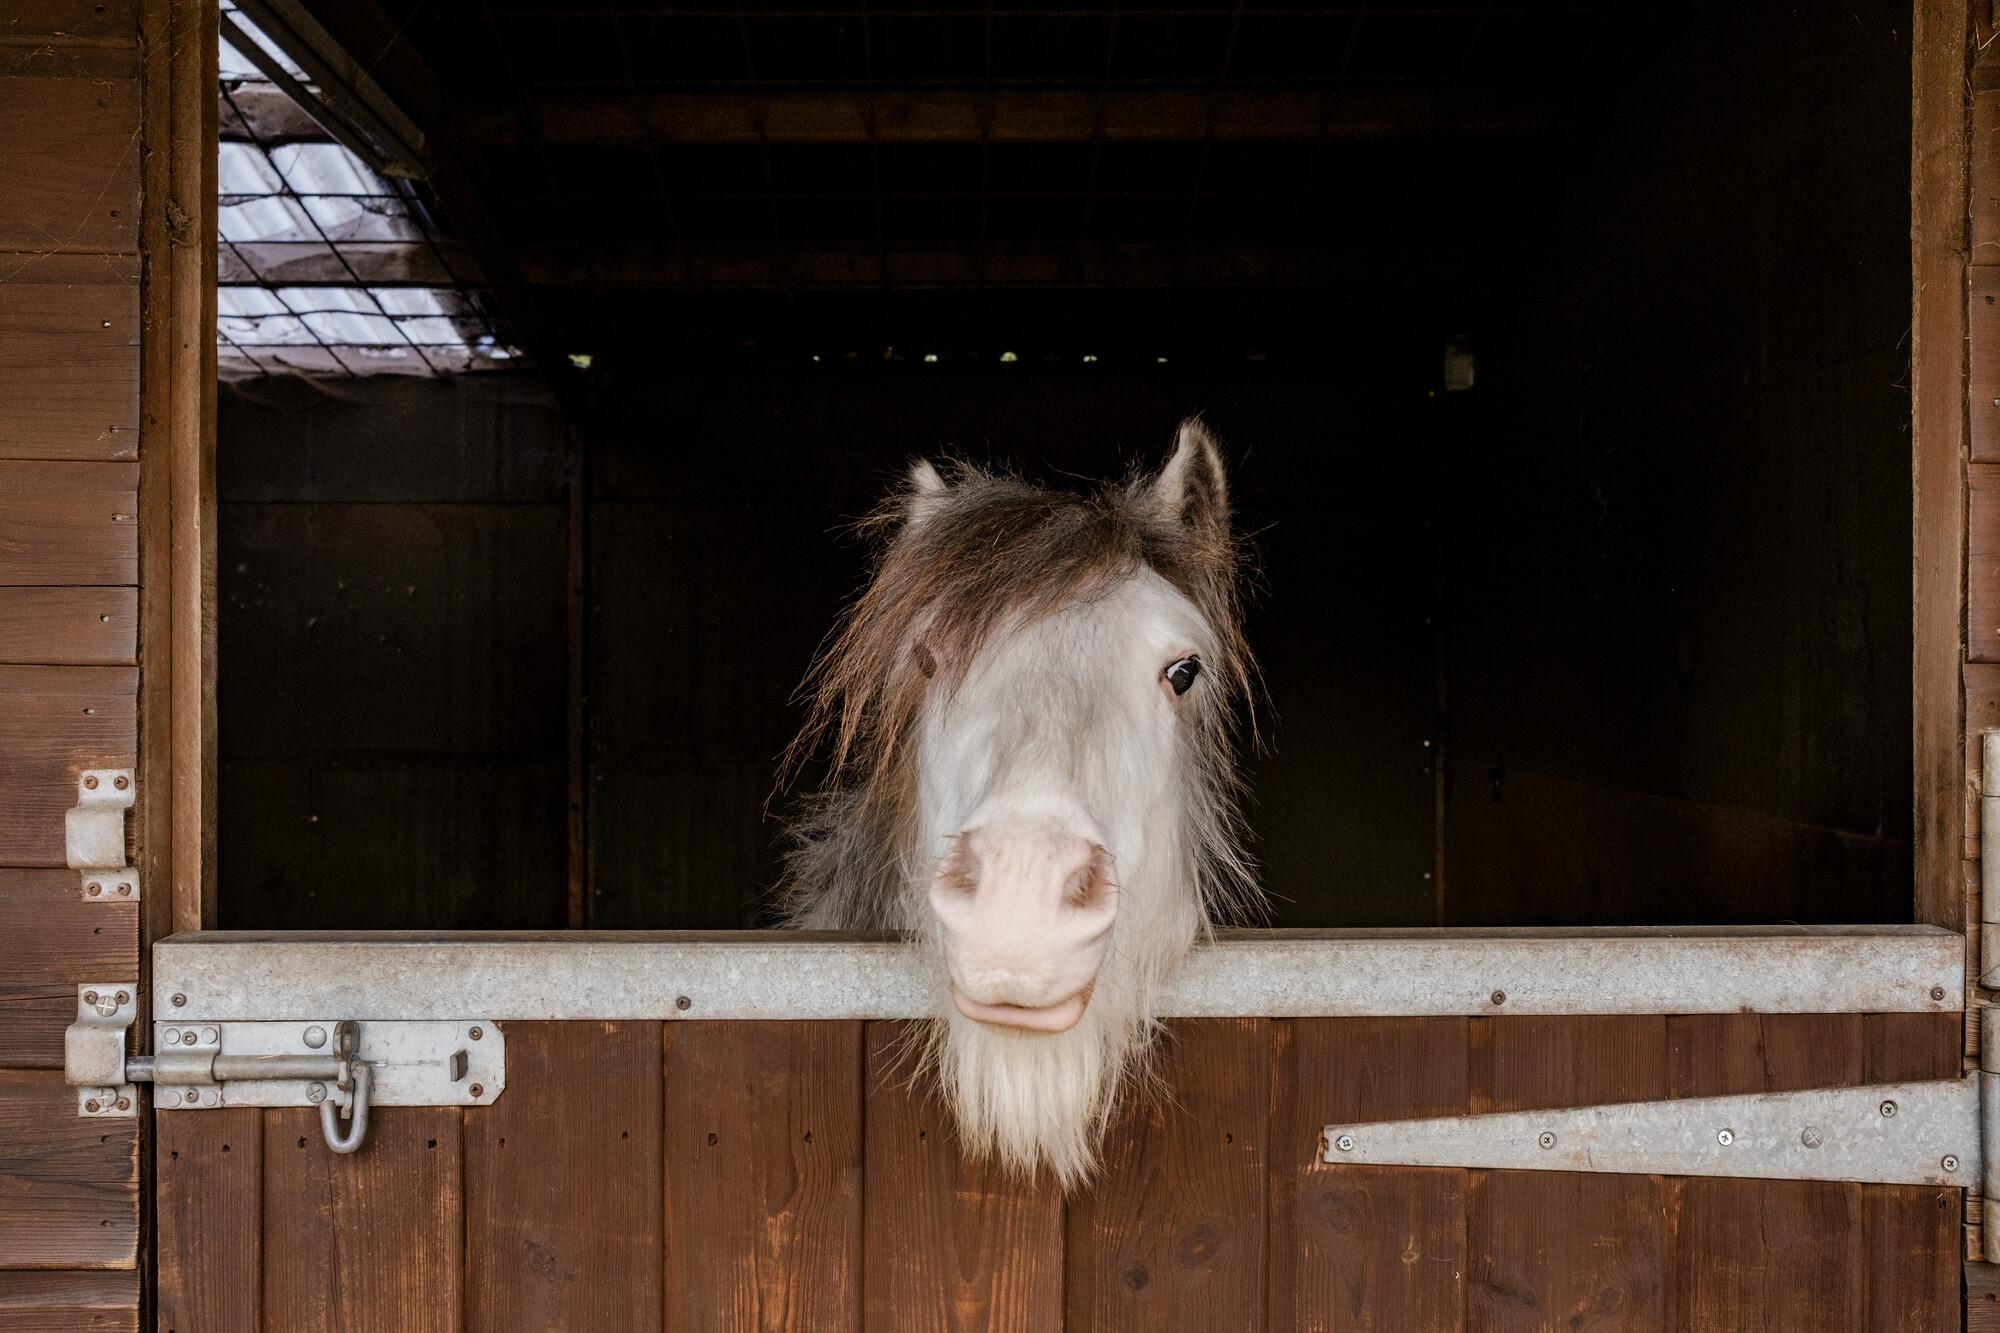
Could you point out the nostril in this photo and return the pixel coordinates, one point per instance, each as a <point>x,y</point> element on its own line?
<point>1093,884</point>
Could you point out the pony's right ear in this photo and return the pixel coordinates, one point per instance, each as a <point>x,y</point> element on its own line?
<point>926,491</point>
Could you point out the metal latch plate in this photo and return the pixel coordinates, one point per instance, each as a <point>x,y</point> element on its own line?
<point>415,1063</point>
<point>1890,1133</point>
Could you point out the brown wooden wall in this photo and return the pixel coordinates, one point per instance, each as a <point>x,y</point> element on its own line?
<point>767,1176</point>
<point>70,130</point>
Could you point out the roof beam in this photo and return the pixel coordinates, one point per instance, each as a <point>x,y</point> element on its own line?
<point>1060,264</point>
<point>1359,111</point>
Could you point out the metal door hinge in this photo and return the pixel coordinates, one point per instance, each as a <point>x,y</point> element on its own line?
<point>94,835</point>
<point>1928,1133</point>
<point>94,1049</point>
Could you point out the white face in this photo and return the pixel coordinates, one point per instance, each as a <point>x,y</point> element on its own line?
<point>1050,789</point>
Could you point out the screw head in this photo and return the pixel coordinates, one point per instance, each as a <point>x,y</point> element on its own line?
<point>1950,1162</point>
<point>477,1090</point>
<point>90,784</point>
<point>316,1093</point>
<point>1811,1137</point>
<point>179,999</point>
<point>93,889</point>
<point>91,1106</point>
<point>1937,992</point>
<point>1888,1108</point>
<point>683,1002</point>
<point>121,783</point>
<point>1345,1143</point>
<point>125,890</point>
<point>1547,1140</point>
<point>1499,997</point>
<point>124,1103</point>
<point>90,997</point>
<point>124,996</point>
<point>1725,1137</point>
<point>476,1033</point>
<point>315,1036</point>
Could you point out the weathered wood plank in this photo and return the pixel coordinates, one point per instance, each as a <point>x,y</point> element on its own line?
<point>1982,547</point>
<point>55,721</point>
<point>69,156</point>
<point>70,22</point>
<point>54,941</point>
<point>564,1210</point>
<point>67,524</point>
<point>1913,1233</point>
<point>41,1301</point>
<point>69,338</point>
<point>69,626</point>
<point>1172,1230</point>
<point>372,1241</point>
<point>69,1187</point>
<point>1380,1249</point>
<point>763,1168</point>
<point>209,1202</point>
<point>1982,1298</point>
<point>1562,1249</point>
<point>954,1245</point>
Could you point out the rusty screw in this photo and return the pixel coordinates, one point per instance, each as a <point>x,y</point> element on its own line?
<point>1499,997</point>
<point>477,1090</point>
<point>90,997</point>
<point>90,784</point>
<point>125,890</point>
<point>91,1106</point>
<point>94,888</point>
<point>121,782</point>
<point>124,1103</point>
<point>683,1003</point>
<point>123,996</point>
<point>1937,992</point>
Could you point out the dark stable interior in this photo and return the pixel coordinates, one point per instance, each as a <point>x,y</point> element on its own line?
<point>1642,593</point>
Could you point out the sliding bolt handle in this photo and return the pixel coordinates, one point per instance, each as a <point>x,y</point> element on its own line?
<point>357,1130</point>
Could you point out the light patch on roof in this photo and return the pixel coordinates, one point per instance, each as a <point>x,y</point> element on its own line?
<point>326,267</point>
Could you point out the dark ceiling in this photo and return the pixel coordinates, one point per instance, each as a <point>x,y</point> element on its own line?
<point>836,179</point>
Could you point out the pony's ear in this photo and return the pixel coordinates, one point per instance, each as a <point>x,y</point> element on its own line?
<point>925,490</point>
<point>1191,489</point>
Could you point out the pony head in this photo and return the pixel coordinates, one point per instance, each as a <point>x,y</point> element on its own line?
<point>1030,715</point>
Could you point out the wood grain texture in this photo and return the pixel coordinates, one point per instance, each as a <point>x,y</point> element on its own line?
<point>1561,1249</point>
<point>1172,1229</point>
<point>55,721</point>
<point>564,1211</point>
<point>69,626</point>
<point>69,1187</point>
<point>67,524</point>
<point>1380,1249</point>
<point>1982,1298</point>
<point>54,1302</point>
<point>1940,31</point>
<point>209,1217</point>
<point>372,1241</point>
<point>1982,713</point>
<point>69,339</point>
<point>1982,280</point>
<point>69,23</point>
<point>69,156</point>
<point>954,1245</point>
<point>763,1175</point>
<point>54,941</point>
<point>1914,1233</point>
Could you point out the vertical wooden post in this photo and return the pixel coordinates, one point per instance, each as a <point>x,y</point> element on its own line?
<point>1940,126</point>
<point>580,914</point>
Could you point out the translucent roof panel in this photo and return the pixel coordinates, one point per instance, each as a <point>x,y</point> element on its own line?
<point>326,267</point>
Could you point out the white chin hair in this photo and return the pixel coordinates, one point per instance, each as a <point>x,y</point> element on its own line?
<point>1038,1100</point>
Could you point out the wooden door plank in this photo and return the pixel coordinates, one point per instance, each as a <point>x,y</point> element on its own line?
<point>69,1187</point>
<point>562,1183</point>
<point>70,22</point>
<point>69,626</point>
<point>65,524</point>
<point>1171,1233</point>
<point>54,942</point>
<point>1564,1249</point>
<point>69,338</point>
<point>55,721</point>
<point>954,1245</point>
<point>209,1211</point>
<point>370,1241</point>
<point>69,154</point>
<point>763,1175</point>
<point>41,1301</point>
<point>1375,1249</point>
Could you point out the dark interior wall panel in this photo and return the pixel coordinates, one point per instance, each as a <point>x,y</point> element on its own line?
<point>392,679</point>
<point>1681,493</point>
<point>720,559</point>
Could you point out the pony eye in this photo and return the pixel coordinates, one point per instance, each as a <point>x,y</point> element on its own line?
<point>1182,673</point>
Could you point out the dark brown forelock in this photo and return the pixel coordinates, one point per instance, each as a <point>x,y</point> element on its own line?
<point>990,548</point>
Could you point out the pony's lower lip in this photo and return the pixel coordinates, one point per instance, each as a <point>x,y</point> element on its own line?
<point>1059,1017</point>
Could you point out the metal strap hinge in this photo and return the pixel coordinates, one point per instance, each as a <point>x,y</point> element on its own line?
<point>1931,1133</point>
<point>343,1067</point>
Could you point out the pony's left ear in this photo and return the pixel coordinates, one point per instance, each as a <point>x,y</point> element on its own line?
<point>1191,489</point>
